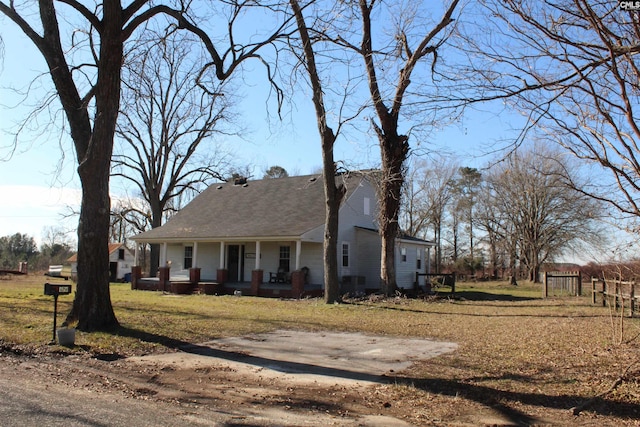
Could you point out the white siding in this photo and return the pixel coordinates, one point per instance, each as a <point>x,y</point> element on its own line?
<point>175,254</point>
<point>270,259</point>
<point>208,261</point>
<point>368,254</point>
<point>352,215</point>
<point>311,256</point>
<point>352,210</point>
<point>406,271</point>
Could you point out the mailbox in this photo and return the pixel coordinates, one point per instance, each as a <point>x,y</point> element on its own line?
<point>56,289</point>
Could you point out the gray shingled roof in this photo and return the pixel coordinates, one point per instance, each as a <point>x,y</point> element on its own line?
<point>265,208</point>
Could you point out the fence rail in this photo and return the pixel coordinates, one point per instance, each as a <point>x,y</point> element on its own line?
<point>617,292</point>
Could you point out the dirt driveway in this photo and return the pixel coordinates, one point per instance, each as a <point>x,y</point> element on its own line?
<point>283,378</point>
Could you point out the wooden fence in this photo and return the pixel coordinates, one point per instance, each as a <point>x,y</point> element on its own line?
<point>619,293</point>
<point>559,283</point>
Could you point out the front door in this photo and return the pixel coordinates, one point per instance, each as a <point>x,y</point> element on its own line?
<point>235,263</point>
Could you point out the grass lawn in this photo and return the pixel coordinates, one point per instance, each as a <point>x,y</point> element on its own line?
<point>516,349</point>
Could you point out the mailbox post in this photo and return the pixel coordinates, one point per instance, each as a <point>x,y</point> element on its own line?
<point>56,290</point>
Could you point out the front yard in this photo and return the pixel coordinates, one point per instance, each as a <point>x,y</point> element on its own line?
<point>525,359</point>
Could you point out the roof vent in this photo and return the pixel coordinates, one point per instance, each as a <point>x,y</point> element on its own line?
<point>219,187</point>
<point>240,180</point>
<point>312,179</point>
<point>245,185</point>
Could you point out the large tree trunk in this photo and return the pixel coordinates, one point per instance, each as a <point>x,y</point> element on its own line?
<point>333,197</point>
<point>92,303</point>
<point>437,256</point>
<point>494,263</point>
<point>154,259</point>
<point>394,147</point>
<point>394,150</point>
<point>534,269</point>
<point>513,256</point>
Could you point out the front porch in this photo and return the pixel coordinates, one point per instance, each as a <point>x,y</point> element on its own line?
<point>298,288</point>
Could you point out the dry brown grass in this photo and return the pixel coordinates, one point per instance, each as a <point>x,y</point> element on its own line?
<point>526,358</point>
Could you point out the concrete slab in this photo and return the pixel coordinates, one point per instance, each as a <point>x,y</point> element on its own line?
<point>310,356</point>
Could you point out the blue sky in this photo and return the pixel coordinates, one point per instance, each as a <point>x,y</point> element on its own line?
<point>38,185</point>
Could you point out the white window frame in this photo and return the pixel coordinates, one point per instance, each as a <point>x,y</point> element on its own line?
<point>347,246</point>
<point>185,257</point>
<point>284,257</point>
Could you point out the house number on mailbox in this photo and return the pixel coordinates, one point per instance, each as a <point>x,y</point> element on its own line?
<point>55,289</point>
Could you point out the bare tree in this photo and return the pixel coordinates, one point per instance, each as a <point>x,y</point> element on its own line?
<point>414,211</point>
<point>533,201</point>
<point>85,69</point>
<point>333,190</point>
<point>170,115</point>
<point>55,247</point>
<point>55,235</point>
<point>465,188</point>
<point>497,233</point>
<point>452,237</point>
<point>427,200</point>
<point>128,217</point>
<point>573,66</point>
<point>390,57</point>
<point>276,172</point>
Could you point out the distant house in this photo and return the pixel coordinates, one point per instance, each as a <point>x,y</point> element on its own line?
<point>121,259</point>
<point>268,235</point>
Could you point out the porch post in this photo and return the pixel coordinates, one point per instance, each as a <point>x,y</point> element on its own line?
<point>135,255</point>
<point>257,275</point>
<point>298,249</point>
<point>222,255</point>
<point>194,271</point>
<point>222,273</point>
<point>428,260</point>
<point>163,254</point>
<point>194,262</point>
<point>257,255</point>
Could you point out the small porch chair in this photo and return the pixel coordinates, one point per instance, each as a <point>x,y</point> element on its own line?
<point>279,277</point>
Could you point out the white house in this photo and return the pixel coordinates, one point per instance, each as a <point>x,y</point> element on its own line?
<point>120,262</point>
<point>261,232</point>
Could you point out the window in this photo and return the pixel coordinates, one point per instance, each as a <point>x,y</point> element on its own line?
<point>367,206</point>
<point>121,254</point>
<point>188,257</point>
<point>345,255</point>
<point>418,259</point>
<point>403,254</point>
<point>285,257</point>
